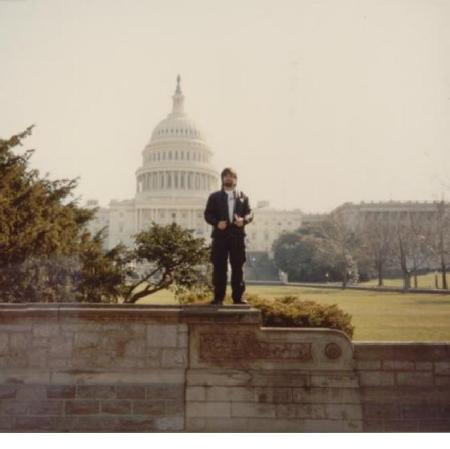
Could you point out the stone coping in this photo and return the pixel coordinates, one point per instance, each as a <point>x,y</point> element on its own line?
<point>90,305</point>
<point>131,312</point>
<point>81,305</point>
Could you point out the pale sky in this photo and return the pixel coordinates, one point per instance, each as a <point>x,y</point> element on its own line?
<point>314,103</point>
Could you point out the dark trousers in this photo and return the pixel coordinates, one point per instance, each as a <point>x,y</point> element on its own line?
<point>224,246</point>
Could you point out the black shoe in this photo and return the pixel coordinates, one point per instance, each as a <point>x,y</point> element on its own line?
<point>216,302</point>
<point>241,301</point>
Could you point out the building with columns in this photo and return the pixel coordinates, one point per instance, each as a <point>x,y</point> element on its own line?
<point>173,183</point>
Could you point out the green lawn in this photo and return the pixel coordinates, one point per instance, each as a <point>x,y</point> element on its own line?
<point>424,281</point>
<point>376,315</point>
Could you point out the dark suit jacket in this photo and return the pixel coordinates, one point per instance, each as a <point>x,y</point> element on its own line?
<point>217,210</point>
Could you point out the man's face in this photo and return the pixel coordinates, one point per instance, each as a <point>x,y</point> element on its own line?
<point>229,180</point>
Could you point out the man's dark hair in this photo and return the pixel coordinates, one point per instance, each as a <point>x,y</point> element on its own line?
<point>228,171</point>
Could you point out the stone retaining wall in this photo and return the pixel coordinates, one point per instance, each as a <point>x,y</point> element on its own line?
<point>92,369</point>
<point>129,368</point>
<point>405,387</point>
<point>243,378</point>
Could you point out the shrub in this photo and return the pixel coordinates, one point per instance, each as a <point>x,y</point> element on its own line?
<point>199,296</point>
<point>290,311</point>
<point>193,297</point>
<point>286,311</point>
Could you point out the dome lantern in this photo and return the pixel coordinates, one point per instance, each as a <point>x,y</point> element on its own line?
<point>178,99</point>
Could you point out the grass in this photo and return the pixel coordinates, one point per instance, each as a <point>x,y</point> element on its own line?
<point>377,316</point>
<point>423,280</point>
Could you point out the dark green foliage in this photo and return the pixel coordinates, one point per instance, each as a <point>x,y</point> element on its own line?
<point>290,311</point>
<point>46,253</point>
<point>305,258</point>
<point>102,275</point>
<point>318,253</point>
<point>174,259</point>
<point>39,279</point>
<point>36,215</point>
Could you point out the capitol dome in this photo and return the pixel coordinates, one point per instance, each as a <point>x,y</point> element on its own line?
<point>177,124</point>
<point>177,160</point>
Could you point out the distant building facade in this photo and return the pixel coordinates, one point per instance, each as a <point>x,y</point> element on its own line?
<point>388,211</point>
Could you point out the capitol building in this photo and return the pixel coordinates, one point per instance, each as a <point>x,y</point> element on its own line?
<point>175,178</point>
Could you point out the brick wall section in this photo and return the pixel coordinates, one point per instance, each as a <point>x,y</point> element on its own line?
<point>405,387</point>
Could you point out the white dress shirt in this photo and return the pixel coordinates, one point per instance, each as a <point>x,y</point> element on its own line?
<point>231,201</point>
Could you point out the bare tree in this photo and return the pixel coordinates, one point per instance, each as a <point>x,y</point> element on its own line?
<point>342,244</point>
<point>376,238</point>
<point>419,229</point>
<point>411,252</point>
<point>438,239</point>
<point>402,249</point>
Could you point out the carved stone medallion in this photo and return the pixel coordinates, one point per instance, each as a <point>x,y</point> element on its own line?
<point>333,351</point>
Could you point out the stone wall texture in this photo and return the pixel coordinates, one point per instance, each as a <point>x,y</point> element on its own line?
<point>405,387</point>
<point>91,368</point>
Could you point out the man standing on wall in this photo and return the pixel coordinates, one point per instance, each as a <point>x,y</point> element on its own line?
<point>228,211</point>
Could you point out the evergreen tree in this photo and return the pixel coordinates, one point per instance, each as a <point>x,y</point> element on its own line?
<point>46,252</point>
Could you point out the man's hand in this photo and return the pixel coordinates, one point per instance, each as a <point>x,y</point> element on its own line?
<point>222,225</point>
<point>238,221</point>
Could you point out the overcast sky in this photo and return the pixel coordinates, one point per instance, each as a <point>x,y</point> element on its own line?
<point>313,102</point>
